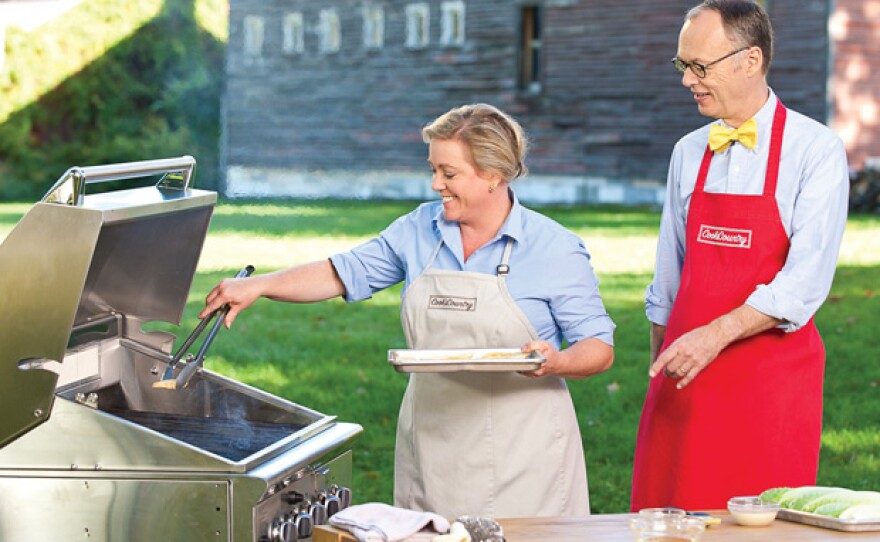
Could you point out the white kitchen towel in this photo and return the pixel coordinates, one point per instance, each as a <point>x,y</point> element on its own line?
<point>378,522</point>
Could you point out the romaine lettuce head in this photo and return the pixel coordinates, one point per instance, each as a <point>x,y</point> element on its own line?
<point>836,496</point>
<point>816,499</point>
<point>799,496</point>
<point>774,494</point>
<point>832,509</point>
<point>861,511</point>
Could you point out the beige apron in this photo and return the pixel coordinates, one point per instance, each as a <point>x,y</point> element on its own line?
<point>492,444</point>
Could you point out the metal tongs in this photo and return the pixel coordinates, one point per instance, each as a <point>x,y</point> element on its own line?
<point>193,363</point>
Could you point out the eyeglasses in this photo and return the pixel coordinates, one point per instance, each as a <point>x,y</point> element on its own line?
<point>700,69</point>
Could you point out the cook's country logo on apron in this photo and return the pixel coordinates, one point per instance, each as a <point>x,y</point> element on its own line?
<point>727,237</point>
<point>452,303</point>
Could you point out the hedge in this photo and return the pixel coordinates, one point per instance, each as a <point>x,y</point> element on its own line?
<point>136,79</point>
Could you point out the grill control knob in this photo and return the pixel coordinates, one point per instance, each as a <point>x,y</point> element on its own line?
<point>293,498</point>
<point>318,513</point>
<point>304,525</point>
<point>282,530</point>
<point>332,504</point>
<point>344,495</point>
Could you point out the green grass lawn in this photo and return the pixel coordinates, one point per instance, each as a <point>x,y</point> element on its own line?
<point>332,356</point>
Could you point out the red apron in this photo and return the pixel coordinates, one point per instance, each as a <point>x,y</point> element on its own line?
<point>752,419</point>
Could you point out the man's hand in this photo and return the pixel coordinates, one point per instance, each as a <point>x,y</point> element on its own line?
<point>693,351</point>
<point>690,354</point>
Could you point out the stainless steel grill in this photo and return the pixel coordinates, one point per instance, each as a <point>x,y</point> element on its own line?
<point>89,450</point>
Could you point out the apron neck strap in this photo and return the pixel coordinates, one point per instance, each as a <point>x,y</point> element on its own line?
<point>772,174</point>
<point>775,149</point>
<point>503,269</point>
<point>434,255</point>
<point>704,170</point>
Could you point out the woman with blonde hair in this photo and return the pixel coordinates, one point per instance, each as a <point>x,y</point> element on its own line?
<point>479,271</point>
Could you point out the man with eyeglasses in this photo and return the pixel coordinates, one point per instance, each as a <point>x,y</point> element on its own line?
<point>754,214</point>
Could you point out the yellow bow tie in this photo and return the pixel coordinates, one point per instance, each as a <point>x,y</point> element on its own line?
<point>720,137</point>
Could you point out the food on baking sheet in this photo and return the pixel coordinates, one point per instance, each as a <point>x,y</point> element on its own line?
<point>433,355</point>
<point>836,502</point>
<point>464,359</point>
<point>462,355</point>
<point>774,495</point>
<point>862,511</point>
<point>447,357</point>
<point>502,355</point>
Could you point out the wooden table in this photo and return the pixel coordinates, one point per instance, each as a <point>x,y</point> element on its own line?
<point>615,528</point>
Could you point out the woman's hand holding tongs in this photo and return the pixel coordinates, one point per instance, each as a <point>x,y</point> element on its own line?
<point>235,294</point>
<point>194,362</point>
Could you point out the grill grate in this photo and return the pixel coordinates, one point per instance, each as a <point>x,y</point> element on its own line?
<point>229,438</point>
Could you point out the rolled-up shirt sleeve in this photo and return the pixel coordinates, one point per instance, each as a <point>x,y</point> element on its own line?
<point>576,304</point>
<point>374,265</point>
<point>367,268</point>
<point>817,226</point>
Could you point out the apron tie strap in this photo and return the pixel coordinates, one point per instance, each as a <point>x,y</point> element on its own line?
<point>502,270</point>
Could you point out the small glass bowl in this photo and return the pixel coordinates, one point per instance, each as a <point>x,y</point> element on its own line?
<point>669,526</point>
<point>752,511</point>
<point>662,512</point>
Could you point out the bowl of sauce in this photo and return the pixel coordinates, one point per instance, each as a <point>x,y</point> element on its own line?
<point>752,511</point>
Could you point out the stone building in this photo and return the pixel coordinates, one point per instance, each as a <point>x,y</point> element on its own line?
<point>854,101</point>
<point>327,98</point>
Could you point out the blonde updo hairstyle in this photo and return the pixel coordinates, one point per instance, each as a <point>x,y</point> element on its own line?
<point>495,142</point>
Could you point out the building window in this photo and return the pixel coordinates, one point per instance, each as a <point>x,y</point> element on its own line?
<point>253,35</point>
<point>417,25</point>
<point>330,31</point>
<point>374,27</point>
<point>452,23</point>
<point>530,49</point>
<point>294,33</point>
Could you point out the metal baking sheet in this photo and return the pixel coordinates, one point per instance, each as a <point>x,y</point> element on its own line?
<point>852,525</point>
<point>450,360</point>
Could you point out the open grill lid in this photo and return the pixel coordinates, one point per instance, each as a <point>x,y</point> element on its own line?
<point>74,258</point>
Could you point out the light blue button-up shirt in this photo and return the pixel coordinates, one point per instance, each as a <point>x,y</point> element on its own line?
<point>812,194</point>
<point>551,279</point>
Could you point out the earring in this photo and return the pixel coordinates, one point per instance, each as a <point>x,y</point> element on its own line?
<point>492,187</point>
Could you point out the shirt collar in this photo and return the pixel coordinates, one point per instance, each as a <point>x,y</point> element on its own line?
<point>764,120</point>
<point>512,227</point>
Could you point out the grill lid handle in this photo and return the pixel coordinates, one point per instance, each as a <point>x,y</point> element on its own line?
<point>70,189</point>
